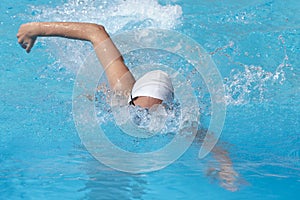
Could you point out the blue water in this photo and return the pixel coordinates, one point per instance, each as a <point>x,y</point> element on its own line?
<point>255,46</point>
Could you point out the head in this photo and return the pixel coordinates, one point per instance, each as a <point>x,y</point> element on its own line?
<point>152,88</point>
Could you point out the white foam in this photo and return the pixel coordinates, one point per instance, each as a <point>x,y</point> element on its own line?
<point>253,83</point>
<point>149,11</point>
<point>116,16</point>
<point>241,85</point>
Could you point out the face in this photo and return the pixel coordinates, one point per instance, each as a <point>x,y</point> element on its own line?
<point>146,102</point>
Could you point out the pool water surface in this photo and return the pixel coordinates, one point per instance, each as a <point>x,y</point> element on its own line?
<point>255,46</point>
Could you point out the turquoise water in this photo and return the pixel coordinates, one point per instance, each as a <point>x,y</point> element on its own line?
<point>255,46</point>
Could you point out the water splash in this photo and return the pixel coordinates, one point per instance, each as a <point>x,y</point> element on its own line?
<point>161,118</point>
<point>253,82</point>
<point>243,86</point>
<point>116,16</point>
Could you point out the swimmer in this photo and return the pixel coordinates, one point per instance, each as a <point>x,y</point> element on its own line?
<point>153,88</point>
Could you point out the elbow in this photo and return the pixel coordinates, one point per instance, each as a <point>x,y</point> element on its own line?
<point>98,34</point>
<point>100,27</point>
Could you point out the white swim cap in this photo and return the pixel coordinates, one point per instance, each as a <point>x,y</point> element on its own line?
<point>156,84</point>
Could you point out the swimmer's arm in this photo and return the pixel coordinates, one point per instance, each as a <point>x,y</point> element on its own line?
<point>28,33</point>
<point>225,171</point>
<point>227,175</point>
<point>109,56</point>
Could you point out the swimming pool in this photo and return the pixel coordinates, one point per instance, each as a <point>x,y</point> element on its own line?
<point>255,46</point>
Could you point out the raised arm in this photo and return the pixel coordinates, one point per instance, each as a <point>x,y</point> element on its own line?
<point>117,73</point>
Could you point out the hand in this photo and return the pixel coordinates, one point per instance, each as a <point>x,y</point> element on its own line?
<point>27,36</point>
<point>226,176</point>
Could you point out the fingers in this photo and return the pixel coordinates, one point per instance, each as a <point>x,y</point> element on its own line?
<point>29,46</point>
<point>24,46</point>
<point>26,43</point>
<point>25,40</point>
<point>229,186</point>
<point>23,43</point>
<point>21,40</point>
